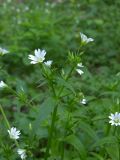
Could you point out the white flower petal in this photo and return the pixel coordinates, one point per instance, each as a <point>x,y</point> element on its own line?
<point>33,62</point>
<point>79,71</point>
<point>43,53</point>
<point>90,39</point>
<point>37,53</point>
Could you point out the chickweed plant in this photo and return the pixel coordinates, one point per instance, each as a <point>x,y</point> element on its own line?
<point>59,127</point>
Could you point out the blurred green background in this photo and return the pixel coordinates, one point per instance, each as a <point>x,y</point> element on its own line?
<point>55,26</point>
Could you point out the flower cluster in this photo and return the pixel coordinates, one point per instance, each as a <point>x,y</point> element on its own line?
<point>39,57</point>
<point>15,134</point>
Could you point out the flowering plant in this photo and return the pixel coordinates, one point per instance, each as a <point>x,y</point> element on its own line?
<point>56,123</point>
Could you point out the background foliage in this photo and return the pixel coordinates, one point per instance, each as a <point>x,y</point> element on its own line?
<point>55,27</point>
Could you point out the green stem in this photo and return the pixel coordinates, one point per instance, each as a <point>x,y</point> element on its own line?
<point>54,117</point>
<point>66,80</point>
<point>13,92</point>
<point>29,104</point>
<point>63,143</point>
<point>114,130</point>
<point>53,89</point>
<point>5,118</point>
<point>119,150</point>
<point>7,122</point>
<point>62,151</point>
<point>51,132</point>
<point>108,130</point>
<point>49,81</point>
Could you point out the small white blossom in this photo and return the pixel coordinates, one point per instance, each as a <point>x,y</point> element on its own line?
<point>14,133</point>
<point>2,84</point>
<point>80,65</point>
<point>26,8</point>
<point>22,153</point>
<point>85,39</point>
<point>39,56</point>
<point>79,71</point>
<point>115,119</point>
<point>48,63</point>
<point>84,101</point>
<point>3,51</point>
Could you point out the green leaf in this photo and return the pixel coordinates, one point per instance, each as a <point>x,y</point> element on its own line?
<point>106,141</point>
<point>87,129</point>
<point>99,157</point>
<point>77,144</point>
<point>100,117</point>
<point>113,153</point>
<point>67,84</point>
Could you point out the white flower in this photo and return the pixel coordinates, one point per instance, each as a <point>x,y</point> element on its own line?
<point>26,8</point>
<point>3,51</point>
<point>80,65</point>
<point>115,119</point>
<point>84,101</point>
<point>14,134</point>
<point>22,153</point>
<point>2,84</point>
<point>39,56</point>
<point>48,63</point>
<point>79,71</point>
<point>85,39</point>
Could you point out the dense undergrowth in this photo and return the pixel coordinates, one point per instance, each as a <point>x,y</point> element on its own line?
<point>79,131</point>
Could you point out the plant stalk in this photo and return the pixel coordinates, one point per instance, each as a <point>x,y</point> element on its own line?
<point>54,118</point>
<point>5,118</point>
<point>51,131</point>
